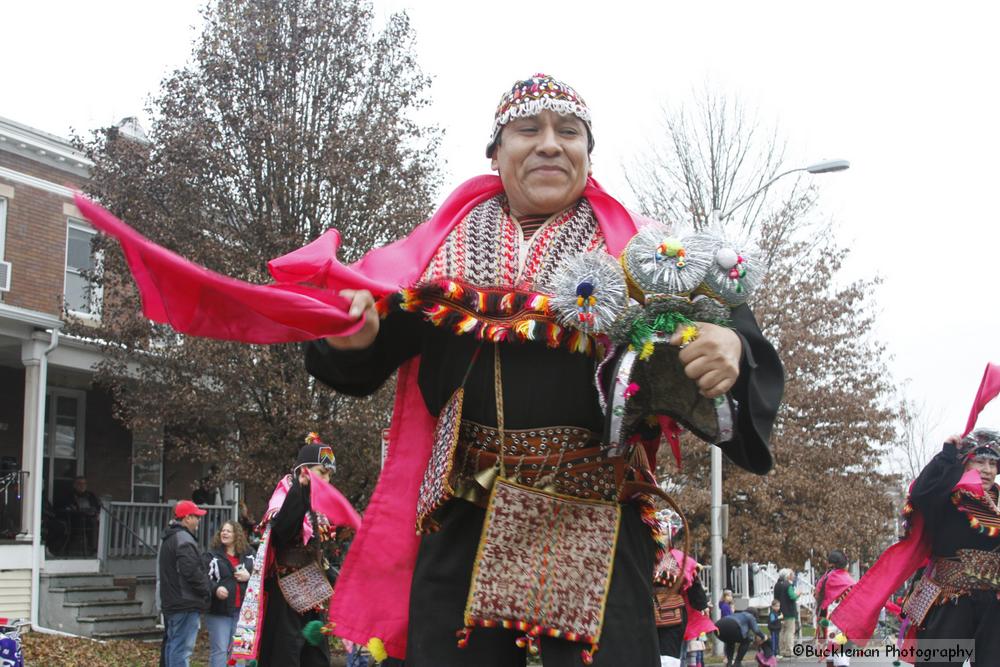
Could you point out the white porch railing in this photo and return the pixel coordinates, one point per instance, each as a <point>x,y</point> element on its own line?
<point>133,530</point>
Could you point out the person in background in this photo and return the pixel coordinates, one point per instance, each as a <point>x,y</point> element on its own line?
<point>82,508</point>
<point>726,603</point>
<point>182,584</point>
<point>737,632</point>
<point>774,624</point>
<point>230,563</point>
<point>785,594</point>
<point>696,651</point>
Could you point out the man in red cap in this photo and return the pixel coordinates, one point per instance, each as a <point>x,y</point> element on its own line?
<point>182,584</point>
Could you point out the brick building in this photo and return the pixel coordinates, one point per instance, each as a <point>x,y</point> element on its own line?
<point>55,423</point>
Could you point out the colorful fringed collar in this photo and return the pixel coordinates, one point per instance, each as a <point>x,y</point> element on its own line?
<point>492,314</point>
<point>980,509</point>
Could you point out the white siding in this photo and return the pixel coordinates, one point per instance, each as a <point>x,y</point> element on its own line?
<point>15,593</point>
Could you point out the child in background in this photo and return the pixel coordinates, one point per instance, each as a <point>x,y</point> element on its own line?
<point>696,651</point>
<point>774,625</point>
<point>726,603</point>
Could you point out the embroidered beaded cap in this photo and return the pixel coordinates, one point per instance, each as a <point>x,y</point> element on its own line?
<point>982,443</point>
<point>532,96</point>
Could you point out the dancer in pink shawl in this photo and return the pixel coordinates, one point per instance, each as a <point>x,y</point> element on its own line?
<point>302,517</point>
<point>831,589</point>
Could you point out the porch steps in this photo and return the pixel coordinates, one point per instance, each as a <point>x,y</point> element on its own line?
<point>92,605</point>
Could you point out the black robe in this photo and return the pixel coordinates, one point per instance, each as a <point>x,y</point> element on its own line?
<point>542,387</point>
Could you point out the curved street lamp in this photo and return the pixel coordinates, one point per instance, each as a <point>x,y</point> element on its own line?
<point>824,167</point>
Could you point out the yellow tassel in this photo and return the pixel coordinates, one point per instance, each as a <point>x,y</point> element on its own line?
<point>689,333</point>
<point>554,332</point>
<point>411,300</point>
<point>377,649</point>
<point>452,289</point>
<point>467,324</point>
<point>507,302</point>
<point>481,302</point>
<point>436,314</point>
<point>647,350</point>
<point>525,329</point>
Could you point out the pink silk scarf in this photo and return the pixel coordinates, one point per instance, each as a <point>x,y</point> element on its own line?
<point>371,598</point>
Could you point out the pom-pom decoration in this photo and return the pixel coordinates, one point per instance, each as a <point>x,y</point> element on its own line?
<point>658,262</point>
<point>377,649</point>
<point>588,292</point>
<point>734,272</point>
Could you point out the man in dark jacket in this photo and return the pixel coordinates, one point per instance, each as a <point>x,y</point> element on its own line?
<point>182,583</point>
<point>737,632</point>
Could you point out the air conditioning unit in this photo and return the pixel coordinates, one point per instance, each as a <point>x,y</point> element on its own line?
<point>4,276</point>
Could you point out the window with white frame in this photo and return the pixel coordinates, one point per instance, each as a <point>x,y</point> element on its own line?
<point>147,465</point>
<point>83,296</point>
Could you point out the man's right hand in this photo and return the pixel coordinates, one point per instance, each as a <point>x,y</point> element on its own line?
<point>362,305</point>
<point>221,593</point>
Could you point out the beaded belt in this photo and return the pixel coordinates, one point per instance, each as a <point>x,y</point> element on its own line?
<point>973,570</point>
<point>566,459</point>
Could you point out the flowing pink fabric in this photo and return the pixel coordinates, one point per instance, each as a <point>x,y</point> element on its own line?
<point>328,500</point>
<point>837,581</point>
<point>372,593</point>
<point>304,303</point>
<point>989,387</point>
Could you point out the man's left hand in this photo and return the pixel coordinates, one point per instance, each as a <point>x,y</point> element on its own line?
<point>712,359</point>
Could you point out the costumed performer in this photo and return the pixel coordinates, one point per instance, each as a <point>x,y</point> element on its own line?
<point>953,532</point>
<point>679,602</point>
<point>284,613</point>
<point>475,338</point>
<point>831,589</point>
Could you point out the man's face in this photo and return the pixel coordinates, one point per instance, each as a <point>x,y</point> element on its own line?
<point>987,469</point>
<point>79,485</point>
<point>543,162</point>
<point>191,522</point>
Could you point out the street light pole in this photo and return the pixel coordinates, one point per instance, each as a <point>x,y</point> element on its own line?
<point>825,167</point>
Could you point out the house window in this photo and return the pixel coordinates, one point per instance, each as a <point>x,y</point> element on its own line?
<point>147,466</point>
<point>65,410</point>
<point>82,296</point>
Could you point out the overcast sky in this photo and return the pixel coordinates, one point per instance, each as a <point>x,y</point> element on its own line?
<point>905,90</point>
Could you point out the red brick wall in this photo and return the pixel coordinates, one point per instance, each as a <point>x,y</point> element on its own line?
<point>36,237</point>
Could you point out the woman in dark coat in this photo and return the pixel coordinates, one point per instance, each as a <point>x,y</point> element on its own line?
<point>230,563</point>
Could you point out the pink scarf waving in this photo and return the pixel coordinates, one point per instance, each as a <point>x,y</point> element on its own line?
<point>371,599</point>
<point>304,303</point>
<point>857,615</point>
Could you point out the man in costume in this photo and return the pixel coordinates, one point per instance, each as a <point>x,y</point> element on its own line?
<point>481,279</point>
<point>496,394</point>
<point>953,532</point>
<point>300,521</point>
<point>831,589</point>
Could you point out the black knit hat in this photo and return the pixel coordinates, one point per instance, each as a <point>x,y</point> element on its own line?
<point>837,558</point>
<point>316,452</point>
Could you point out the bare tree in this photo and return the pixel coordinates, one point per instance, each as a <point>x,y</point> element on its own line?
<point>915,445</point>
<point>294,116</point>
<point>837,417</point>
